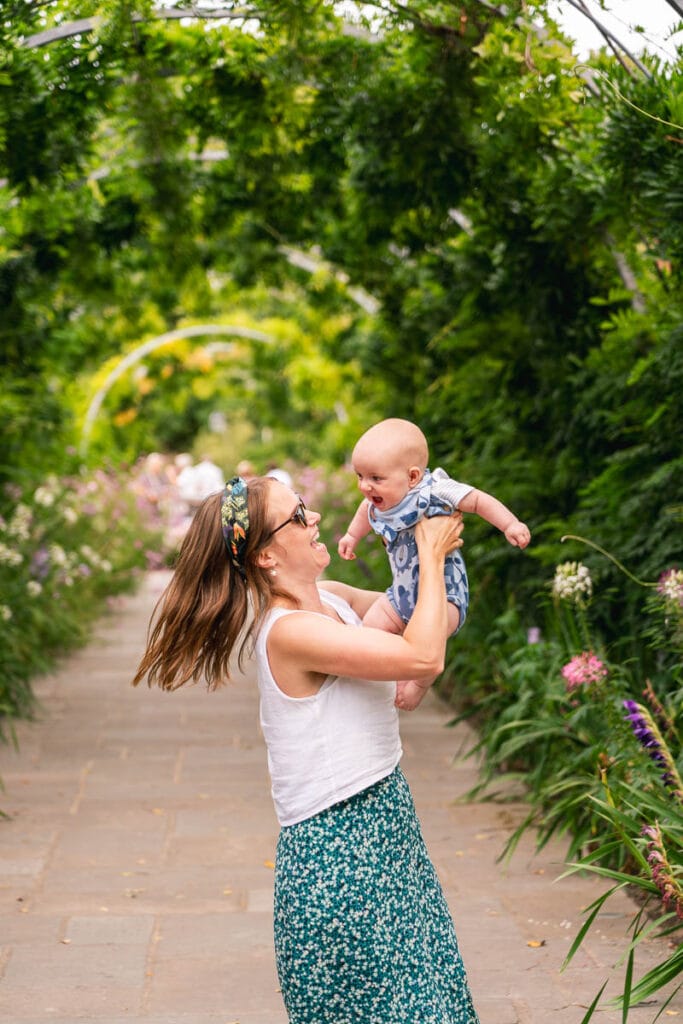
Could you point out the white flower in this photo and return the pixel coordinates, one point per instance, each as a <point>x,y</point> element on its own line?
<point>70,514</point>
<point>20,524</point>
<point>34,588</point>
<point>95,560</point>
<point>671,586</point>
<point>572,582</point>
<point>57,554</point>
<point>5,613</point>
<point>10,556</point>
<point>44,496</point>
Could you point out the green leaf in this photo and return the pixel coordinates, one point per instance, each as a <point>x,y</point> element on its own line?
<point>587,924</point>
<point>591,1009</point>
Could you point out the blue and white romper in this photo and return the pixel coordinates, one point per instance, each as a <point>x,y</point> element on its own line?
<point>435,495</point>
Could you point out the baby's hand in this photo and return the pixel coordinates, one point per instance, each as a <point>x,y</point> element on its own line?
<point>409,693</point>
<point>345,547</point>
<point>518,534</point>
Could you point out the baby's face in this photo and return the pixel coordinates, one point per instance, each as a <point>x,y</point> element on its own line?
<point>383,481</point>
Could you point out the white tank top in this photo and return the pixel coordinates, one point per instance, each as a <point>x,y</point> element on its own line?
<point>324,748</point>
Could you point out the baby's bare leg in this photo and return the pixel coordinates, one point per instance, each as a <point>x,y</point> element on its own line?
<point>410,692</point>
<point>381,615</point>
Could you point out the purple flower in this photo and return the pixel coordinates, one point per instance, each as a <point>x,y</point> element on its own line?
<point>40,564</point>
<point>650,738</point>
<point>155,560</point>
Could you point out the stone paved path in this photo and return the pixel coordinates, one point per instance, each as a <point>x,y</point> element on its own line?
<point>136,866</point>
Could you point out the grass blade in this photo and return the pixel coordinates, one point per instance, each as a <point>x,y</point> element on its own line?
<point>591,1009</point>
<point>628,981</point>
<point>597,907</point>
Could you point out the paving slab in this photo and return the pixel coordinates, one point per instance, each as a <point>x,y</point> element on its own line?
<point>136,862</point>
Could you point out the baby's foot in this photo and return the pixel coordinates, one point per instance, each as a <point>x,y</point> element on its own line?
<point>409,693</point>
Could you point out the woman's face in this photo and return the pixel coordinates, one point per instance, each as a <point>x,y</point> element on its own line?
<point>297,550</point>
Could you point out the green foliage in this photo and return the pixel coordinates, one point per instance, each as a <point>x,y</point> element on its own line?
<point>596,750</point>
<point>656,868</point>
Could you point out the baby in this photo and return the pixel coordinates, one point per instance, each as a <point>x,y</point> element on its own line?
<point>390,461</point>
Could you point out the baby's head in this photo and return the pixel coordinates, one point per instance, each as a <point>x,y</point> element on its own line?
<point>389,459</point>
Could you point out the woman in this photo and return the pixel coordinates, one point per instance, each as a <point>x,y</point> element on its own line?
<point>362,930</point>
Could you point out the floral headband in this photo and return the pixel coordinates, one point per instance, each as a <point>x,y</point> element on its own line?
<point>235,521</point>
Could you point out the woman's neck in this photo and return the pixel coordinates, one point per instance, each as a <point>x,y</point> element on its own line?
<point>304,596</point>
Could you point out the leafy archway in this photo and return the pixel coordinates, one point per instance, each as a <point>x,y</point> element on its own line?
<point>152,345</point>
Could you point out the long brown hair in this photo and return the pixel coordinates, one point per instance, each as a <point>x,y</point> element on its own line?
<point>208,604</point>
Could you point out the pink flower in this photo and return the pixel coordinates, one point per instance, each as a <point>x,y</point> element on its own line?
<point>670,586</point>
<point>583,670</point>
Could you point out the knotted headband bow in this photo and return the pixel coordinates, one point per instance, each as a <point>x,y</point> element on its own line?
<point>235,521</point>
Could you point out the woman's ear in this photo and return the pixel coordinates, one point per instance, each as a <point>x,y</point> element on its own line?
<point>265,559</point>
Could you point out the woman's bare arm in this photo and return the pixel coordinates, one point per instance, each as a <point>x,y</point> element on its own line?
<point>311,643</point>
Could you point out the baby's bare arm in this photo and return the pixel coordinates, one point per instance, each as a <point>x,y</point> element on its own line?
<point>358,528</point>
<point>497,514</point>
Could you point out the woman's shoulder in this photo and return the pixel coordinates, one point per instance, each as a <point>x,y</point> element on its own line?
<point>268,620</point>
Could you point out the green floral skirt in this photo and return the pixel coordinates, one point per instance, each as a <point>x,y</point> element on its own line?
<point>363,934</point>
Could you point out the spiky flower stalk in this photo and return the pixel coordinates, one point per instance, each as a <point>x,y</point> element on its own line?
<point>662,874</point>
<point>650,738</point>
<point>662,717</point>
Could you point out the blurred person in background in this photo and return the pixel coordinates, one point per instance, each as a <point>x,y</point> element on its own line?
<point>197,482</point>
<point>277,473</point>
<point>246,470</point>
<point>153,487</point>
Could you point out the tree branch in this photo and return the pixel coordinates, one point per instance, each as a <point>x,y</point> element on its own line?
<point>612,41</point>
<point>626,274</point>
<point>74,28</point>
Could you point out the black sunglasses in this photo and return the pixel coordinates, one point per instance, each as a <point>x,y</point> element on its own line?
<point>297,516</point>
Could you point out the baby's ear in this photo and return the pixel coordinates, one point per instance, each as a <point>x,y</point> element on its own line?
<point>415,474</point>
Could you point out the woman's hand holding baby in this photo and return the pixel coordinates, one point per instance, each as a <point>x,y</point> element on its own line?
<point>440,534</point>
